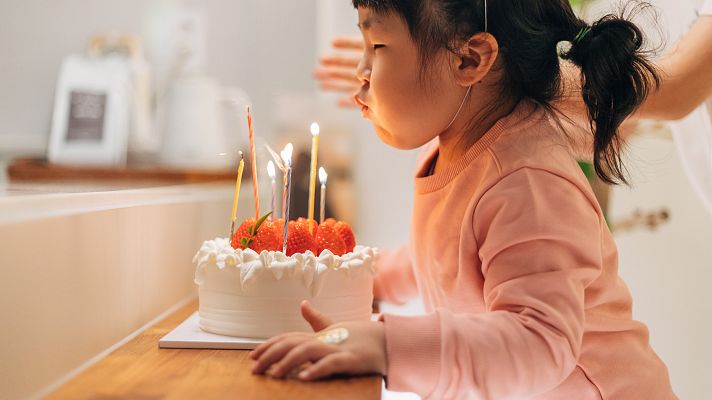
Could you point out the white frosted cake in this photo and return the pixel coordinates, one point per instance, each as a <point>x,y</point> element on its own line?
<point>245,294</point>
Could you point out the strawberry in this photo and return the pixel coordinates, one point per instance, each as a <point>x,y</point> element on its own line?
<point>278,225</point>
<point>328,238</point>
<point>329,221</point>
<point>314,226</point>
<point>242,233</point>
<point>257,235</point>
<point>267,238</point>
<point>299,240</point>
<point>347,234</point>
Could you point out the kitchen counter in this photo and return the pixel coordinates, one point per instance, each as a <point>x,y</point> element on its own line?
<point>140,370</point>
<point>86,266</point>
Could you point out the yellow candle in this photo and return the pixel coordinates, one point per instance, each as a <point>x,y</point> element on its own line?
<point>312,171</point>
<point>236,198</point>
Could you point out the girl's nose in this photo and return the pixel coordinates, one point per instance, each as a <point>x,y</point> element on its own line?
<point>363,71</point>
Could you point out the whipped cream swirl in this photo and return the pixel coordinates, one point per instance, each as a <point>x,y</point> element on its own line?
<point>307,267</point>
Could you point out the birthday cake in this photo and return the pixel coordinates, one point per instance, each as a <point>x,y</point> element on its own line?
<point>250,287</point>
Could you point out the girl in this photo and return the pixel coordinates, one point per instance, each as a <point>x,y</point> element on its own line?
<point>510,251</point>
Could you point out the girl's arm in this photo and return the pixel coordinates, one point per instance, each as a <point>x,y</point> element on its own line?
<point>686,74</point>
<point>395,282</point>
<point>686,81</point>
<point>536,267</point>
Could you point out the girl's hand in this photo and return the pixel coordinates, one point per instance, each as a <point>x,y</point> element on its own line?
<point>363,352</point>
<point>337,72</point>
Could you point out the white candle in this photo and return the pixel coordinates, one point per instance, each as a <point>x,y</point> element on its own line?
<point>287,159</point>
<point>322,179</point>
<point>272,176</point>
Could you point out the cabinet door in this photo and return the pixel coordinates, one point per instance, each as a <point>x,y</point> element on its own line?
<point>668,268</point>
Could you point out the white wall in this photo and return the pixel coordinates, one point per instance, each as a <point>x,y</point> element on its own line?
<point>266,47</point>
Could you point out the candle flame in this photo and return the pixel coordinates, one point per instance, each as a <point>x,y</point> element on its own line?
<point>315,129</point>
<point>277,159</point>
<point>287,154</point>
<point>270,170</point>
<point>322,175</point>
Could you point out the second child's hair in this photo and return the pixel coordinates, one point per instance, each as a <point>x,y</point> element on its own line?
<point>616,75</point>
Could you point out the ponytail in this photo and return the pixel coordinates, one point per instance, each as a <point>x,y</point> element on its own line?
<point>616,77</point>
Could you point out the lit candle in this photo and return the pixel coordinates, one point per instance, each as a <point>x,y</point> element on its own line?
<point>272,175</point>
<point>312,171</point>
<point>287,159</point>
<point>253,161</point>
<point>236,197</point>
<point>322,179</point>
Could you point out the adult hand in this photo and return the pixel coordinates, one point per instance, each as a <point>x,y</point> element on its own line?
<point>337,71</point>
<point>363,352</point>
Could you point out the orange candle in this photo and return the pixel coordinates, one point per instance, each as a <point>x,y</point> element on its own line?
<point>253,160</point>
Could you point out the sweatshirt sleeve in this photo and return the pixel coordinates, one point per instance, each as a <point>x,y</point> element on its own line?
<point>395,282</point>
<point>539,243</point>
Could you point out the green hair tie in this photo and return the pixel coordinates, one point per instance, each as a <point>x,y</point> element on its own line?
<point>581,34</point>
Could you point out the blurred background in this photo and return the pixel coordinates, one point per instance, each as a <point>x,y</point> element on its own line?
<point>163,85</point>
<point>196,54</point>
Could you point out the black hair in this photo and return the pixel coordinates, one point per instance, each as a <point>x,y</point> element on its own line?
<point>616,74</point>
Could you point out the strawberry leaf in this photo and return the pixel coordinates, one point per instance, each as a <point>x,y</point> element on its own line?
<point>260,221</point>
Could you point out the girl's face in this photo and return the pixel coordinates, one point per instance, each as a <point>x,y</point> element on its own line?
<point>407,111</point>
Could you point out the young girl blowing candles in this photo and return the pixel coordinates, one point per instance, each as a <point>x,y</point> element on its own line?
<point>509,249</point>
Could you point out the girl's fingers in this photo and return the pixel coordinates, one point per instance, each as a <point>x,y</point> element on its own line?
<point>257,352</point>
<point>347,43</point>
<point>344,74</point>
<point>275,353</point>
<point>316,319</point>
<point>307,351</point>
<point>347,102</point>
<point>335,363</point>
<point>334,60</point>
<point>341,87</point>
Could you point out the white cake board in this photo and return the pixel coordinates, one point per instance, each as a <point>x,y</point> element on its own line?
<point>188,335</point>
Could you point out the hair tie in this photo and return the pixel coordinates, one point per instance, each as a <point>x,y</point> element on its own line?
<point>581,34</point>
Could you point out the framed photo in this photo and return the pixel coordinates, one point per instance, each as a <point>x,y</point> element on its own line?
<point>91,118</point>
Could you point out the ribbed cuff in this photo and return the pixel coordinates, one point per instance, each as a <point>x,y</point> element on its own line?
<point>413,352</point>
<point>706,8</point>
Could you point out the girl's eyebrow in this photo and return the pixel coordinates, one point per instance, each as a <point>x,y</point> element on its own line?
<point>367,23</point>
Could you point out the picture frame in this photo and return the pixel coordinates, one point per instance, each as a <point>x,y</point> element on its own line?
<point>91,118</point>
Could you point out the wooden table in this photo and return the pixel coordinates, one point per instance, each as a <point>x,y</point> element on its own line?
<point>140,370</point>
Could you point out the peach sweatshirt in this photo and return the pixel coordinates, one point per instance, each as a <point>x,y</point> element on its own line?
<point>519,275</point>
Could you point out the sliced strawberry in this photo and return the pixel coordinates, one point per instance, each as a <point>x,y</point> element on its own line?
<point>347,234</point>
<point>257,235</point>
<point>328,238</point>
<point>267,238</point>
<point>242,235</point>
<point>299,240</point>
<point>314,227</point>
<point>329,221</point>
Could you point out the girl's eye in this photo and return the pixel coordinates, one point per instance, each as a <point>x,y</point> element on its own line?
<point>378,46</point>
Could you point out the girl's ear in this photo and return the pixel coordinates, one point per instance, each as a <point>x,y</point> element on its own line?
<point>476,58</point>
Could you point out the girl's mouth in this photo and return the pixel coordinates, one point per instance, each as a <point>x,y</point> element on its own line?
<point>364,107</point>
